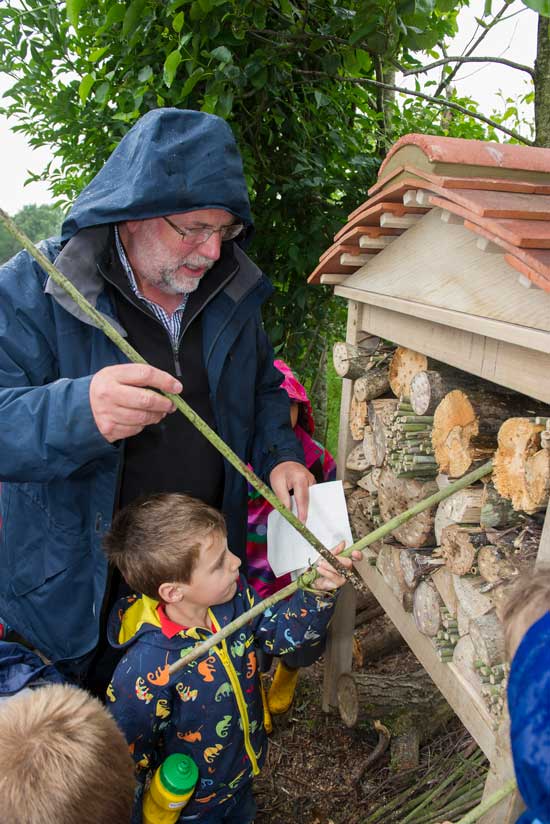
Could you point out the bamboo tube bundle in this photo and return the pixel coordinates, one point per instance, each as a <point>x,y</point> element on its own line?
<point>395,495</point>
<point>462,508</point>
<point>409,447</point>
<point>459,547</point>
<point>522,467</point>
<point>447,636</point>
<point>466,426</point>
<point>380,413</point>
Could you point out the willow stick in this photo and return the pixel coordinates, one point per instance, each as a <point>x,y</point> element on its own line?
<point>212,436</point>
<point>308,577</point>
<point>475,814</point>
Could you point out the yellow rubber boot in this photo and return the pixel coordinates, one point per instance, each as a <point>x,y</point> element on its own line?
<point>281,693</point>
<point>268,724</point>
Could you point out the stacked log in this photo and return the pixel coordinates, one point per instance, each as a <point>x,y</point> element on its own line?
<point>451,568</point>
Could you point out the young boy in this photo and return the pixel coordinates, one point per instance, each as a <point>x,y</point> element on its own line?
<point>173,550</point>
<point>62,760</point>
<point>526,618</point>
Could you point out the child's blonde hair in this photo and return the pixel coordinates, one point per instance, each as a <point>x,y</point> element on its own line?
<point>157,540</point>
<point>62,759</point>
<point>529,599</point>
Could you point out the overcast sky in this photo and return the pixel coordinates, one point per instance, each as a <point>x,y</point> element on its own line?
<point>514,38</point>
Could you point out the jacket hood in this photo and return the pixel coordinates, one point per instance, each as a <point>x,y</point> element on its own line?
<point>136,616</point>
<point>171,161</point>
<point>529,703</point>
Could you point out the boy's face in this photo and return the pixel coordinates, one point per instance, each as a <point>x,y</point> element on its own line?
<point>214,579</point>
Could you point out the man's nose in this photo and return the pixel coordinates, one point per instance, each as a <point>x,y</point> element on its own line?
<point>211,248</point>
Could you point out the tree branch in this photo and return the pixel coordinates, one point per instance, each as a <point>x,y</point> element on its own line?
<point>460,59</point>
<point>437,101</point>
<point>445,82</point>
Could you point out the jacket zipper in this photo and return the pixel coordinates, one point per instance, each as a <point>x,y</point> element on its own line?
<point>225,658</point>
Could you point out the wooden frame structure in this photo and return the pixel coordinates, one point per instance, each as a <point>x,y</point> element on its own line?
<point>442,291</point>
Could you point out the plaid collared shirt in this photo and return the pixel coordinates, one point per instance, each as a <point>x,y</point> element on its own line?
<point>172,323</point>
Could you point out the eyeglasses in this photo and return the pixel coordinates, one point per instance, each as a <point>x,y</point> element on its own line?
<point>203,233</point>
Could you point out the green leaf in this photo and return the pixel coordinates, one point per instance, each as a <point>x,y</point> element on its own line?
<point>209,104</point>
<point>321,99</point>
<point>225,104</point>
<point>177,22</point>
<point>74,7</point>
<point>101,91</point>
<point>222,54</point>
<point>191,82</point>
<point>145,74</point>
<point>114,15</point>
<point>132,17</point>
<point>85,87</point>
<point>97,53</point>
<point>542,6</point>
<point>171,66</point>
<point>487,8</point>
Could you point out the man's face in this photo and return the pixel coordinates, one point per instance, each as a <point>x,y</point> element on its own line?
<point>214,579</point>
<point>165,260</point>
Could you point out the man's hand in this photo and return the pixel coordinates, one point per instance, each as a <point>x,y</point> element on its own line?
<point>292,475</point>
<point>328,578</point>
<point>121,403</point>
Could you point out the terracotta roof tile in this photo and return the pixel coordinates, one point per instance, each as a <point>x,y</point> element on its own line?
<point>370,216</point>
<point>462,152</point>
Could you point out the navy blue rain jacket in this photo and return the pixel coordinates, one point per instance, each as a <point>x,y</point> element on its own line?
<point>59,475</point>
<point>529,705</point>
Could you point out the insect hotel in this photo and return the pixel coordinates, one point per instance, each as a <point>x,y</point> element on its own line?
<point>446,270</point>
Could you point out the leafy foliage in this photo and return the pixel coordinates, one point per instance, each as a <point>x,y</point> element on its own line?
<point>36,221</point>
<point>283,72</point>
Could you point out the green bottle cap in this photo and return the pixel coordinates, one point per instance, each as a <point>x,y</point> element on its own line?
<point>178,773</point>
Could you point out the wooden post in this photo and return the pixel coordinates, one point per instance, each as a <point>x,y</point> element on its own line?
<point>510,808</point>
<point>339,649</point>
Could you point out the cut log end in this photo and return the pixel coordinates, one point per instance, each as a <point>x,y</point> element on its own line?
<point>521,468</point>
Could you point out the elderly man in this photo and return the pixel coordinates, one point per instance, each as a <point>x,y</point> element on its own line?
<point>155,242</point>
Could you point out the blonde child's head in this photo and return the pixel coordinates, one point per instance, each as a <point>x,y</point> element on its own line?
<point>62,759</point>
<point>159,539</point>
<point>528,601</point>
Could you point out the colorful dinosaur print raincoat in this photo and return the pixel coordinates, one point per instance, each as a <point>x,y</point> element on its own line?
<point>212,709</point>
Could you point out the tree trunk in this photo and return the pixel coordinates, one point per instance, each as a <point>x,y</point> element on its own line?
<point>377,644</point>
<point>521,468</point>
<point>395,495</point>
<point>405,364</point>
<point>427,609</point>
<point>463,507</point>
<point>542,84</point>
<point>371,385</point>
<point>428,388</point>
<point>409,704</point>
<point>358,419</point>
<point>459,546</point>
<point>488,639</point>
<point>352,361</point>
<point>466,426</point>
<point>496,512</point>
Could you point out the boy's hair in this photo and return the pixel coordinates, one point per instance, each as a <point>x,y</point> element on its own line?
<point>62,759</point>
<point>528,601</point>
<point>157,539</point>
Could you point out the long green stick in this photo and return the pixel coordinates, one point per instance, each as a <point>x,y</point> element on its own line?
<point>178,402</point>
<point>308,577</point>
<point>489,803</point>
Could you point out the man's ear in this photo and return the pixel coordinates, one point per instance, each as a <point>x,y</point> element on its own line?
<point>130,226</point>
<point>170,593</point>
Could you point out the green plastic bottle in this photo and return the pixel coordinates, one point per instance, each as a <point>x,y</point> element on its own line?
<point>170,789</point>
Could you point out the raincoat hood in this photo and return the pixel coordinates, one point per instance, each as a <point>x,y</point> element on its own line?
<point>529,704</point>
<point>171,161</point>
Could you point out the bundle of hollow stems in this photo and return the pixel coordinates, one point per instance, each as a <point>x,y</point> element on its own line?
<point>306,580</point>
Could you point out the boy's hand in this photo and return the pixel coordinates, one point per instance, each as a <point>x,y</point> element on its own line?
<point>328,578</point>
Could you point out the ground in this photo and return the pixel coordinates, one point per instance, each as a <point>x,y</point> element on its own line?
<point>313,773</point>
